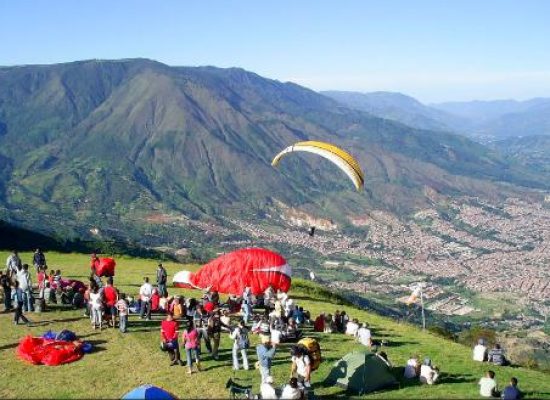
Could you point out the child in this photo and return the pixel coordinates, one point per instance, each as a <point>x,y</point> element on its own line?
<point>96,305</point>
<point>122,307</point>
<point>191,342</point>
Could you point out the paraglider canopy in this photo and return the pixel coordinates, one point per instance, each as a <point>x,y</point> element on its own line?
<point>146,392</point>
<point>341,158</point>
<point>253,268</point>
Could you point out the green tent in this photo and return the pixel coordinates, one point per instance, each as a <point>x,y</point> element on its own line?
<point>361,372</point>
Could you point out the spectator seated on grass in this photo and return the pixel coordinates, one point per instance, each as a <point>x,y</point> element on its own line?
<point>292,391</point>
<point>511,392</point>
<point>319,324</point>
<point>412,369</point>
<point>428,373</point>
<point>364,335</point>
<point>488,385</point>
<point>497,356</point>
<point>291,333</point>
<point>352,327</point>
<point>480,351</point>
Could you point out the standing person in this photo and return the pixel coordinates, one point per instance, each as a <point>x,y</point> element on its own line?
<point>269,298</point>
<point>96,307</point>
<point>511,392</point>
<point>145,293</point>
<point>240,343</point>
<point>13,264</point>
<point>191,342</point>
<point>169,339</point>
<point>488,385</point>
<point>6,287</point>
<point>480,351</point>
<point>201,323</point>
<point>110,297</point>
<point>162,276</point>
<point>94,263</point>
<point>122,308</point>
<point>266,353</point>
<point>41,280</point>
<point>17,297</point>
<point>214,332</point>
<point>301,366</point>
<point>25,283</point>
<point>246,309</point>
<point>38,260</point>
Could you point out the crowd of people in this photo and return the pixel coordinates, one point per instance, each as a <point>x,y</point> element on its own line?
<point>190,322</point>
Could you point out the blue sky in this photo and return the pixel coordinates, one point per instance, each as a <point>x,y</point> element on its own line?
<point>433,50</point>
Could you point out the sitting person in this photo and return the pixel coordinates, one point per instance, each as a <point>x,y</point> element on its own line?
<point>291,332</point>
<point>412,369</point>
<point>352,327</point>
<point>177,308</point>
<point>319,324</point>
<point>384,357</point>
<point>155,301</point>
<point>298,315</point>
<point>496,356</point>
<point>511,392</point>
<point>364,335</point>
<point>480,351</point>
<point>488,385</point>
<point>164,304</point>
<point>267,391</point>
<point>428,374</point>
<point>291,390</point>
<point>169,339</point>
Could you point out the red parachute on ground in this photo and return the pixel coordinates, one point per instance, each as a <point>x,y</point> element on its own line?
<point>254,268</point>
<point>104,266</point>
<point>49,351</point>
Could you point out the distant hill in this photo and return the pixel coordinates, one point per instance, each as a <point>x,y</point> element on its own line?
<point>502,118</point>
<point>530,151</point>
<point>398,107</point>
<point>101,149</point>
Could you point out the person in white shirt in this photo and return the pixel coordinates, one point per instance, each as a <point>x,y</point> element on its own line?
<point>364,335</point>
<point>428,374</point>
<point>13,263</point>
<point>352,327</point>
<point>267,391</point>
<point>96,308</point>
<point>488,385</point>
<point>480,351</point>
<point>412,368</point>
<point>301,366</point>
<point>291,390</point>
<point>145,293</point>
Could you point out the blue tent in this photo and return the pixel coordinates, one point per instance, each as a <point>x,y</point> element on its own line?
<point>148,392</point>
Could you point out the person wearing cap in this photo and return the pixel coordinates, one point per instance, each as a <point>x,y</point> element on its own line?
<point>162,276</point>
<point>480,351</point>
<point>267,391</point>
<point>428,373</point>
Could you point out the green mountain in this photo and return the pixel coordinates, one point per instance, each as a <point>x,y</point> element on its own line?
<point>101,148</point>
<point>531,151</point>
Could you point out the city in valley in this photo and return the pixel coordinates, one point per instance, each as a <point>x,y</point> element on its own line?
<point>478,261</point>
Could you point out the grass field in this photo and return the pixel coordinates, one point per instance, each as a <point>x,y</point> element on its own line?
<point>124,361</point>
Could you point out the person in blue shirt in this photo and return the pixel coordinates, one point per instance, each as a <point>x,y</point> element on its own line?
<point>266,353</point>
<point>18,298</point>
<point>511,392</point>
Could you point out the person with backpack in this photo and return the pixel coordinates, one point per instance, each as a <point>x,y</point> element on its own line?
<point>301,366</point>
<point>201,323</point>
<point>240,343</point>
<point>162,276</point>
<point>191,343</point>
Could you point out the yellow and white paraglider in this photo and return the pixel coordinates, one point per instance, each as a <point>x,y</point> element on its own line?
<point>341,158</point>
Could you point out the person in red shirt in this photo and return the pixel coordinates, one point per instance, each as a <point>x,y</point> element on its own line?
<point>169,339</point>
<point>155,301</point>
<point>110,296</point>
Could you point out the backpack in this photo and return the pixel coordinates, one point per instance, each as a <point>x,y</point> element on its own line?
<point>311,347</point>
<point>242,340</point>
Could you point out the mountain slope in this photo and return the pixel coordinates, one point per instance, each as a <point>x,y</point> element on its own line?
<point>113,143</point>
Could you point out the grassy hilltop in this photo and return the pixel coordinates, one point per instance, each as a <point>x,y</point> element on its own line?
<point>124,361</point>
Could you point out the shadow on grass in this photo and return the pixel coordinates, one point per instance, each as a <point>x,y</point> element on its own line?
<point>455,378</point>
<point>8,346</point>
<point>97,348</point>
